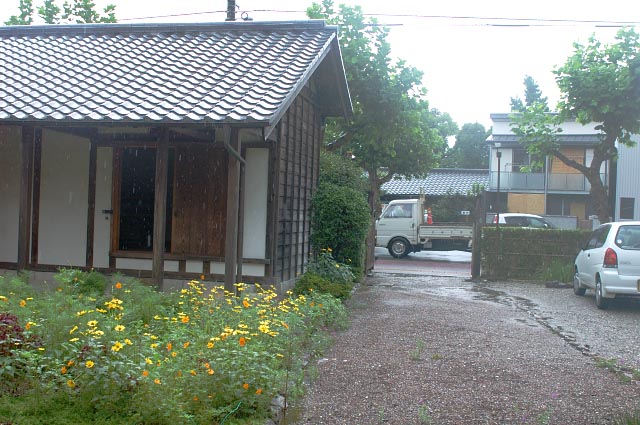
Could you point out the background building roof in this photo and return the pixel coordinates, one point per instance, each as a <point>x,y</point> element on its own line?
<point>232,72</point>
<point>439,181</point>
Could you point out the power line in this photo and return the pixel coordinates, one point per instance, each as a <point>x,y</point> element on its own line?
<point>485,20</point>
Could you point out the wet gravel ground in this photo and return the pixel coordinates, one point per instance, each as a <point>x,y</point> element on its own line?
<point>437,350</point>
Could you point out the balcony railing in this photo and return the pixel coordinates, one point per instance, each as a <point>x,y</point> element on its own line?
<point>557,182</point>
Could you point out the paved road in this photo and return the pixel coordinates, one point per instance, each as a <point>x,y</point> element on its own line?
<point>434,263</point>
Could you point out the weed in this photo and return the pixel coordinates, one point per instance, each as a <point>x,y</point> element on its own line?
<point>424,417</point>
<point>416,353</point>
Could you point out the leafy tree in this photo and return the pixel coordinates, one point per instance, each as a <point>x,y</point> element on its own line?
<point>599,83</point>
<point>72,11</point>
<point>470,149</point>
<point>532,94</point>
<point>392,130</point>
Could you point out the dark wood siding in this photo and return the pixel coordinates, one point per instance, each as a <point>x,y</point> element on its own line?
<point>297,177</point>
<point>200,201</point>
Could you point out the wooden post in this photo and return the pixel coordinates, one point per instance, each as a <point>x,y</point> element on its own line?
<point>91,210</point>
<point>160,208</point>
<point>26,195</point>
<point>232,140</point>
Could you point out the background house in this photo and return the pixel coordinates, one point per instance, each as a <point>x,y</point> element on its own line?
<point>165,151</point>
<point>556,189</point>
<point>627,196</point>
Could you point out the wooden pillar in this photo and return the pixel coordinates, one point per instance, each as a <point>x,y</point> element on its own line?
<point>91,210</point>
<point>232,141</point>
<point>160,208</point>
<point>26,197</point>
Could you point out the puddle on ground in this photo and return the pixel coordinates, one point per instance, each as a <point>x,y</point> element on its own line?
<point>479,292</point>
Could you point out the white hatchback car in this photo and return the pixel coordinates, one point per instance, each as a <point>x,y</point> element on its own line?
<point>524,220</point>
<point>609,263</point>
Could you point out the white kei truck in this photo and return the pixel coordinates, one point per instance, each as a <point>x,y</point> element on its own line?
<point>405,226</point>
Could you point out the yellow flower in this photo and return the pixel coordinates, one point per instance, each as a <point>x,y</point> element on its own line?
<point>3,298</point>
<point>119,328</point>
<point>185,345</point>
<point>148,361</point>
<point>193,372</point>
<point>23,303</point>
<point>89,364</point>
<point>210,371</point>
<point>92,323</point>
<point>174,354</point>
<point>128,341</point>
<point>70,363</point>
<point>185,319</point>
<point>71,384</point>
<point>145,373</point>
<point>63,370</point>
<point>210,344</point>
<point>157,381</point>
<point>117,346</point>
<point>245,303</point>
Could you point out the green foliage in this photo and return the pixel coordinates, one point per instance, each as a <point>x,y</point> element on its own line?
<point>72,11</point>
<point>80,282</point>
<point>470,149</point>
<point>310,282</point>
<point>326,275</point>
<point>339,221</point>
<point>532,95</point>
<point>446,209</point>
<point>199,355</point>
<point>599,83</point>
<point>341,171</point>
<point>520,253</point>
<point>392,131</point>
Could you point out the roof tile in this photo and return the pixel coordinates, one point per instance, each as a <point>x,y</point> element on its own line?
<point>230,72</point>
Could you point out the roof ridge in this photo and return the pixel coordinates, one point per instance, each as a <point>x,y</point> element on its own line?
<point>118,28</point>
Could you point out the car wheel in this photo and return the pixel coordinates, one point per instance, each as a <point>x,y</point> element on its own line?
<point>601,302</point>
<point>399,248</point>
<point>577,288</point>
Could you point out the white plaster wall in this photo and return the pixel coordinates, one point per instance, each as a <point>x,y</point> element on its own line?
<point>62,233</point>
<point>133,264</point>
<point>9,192</point>
<point>192,266</point>
<point>102,221</point>
<point>255,202</point>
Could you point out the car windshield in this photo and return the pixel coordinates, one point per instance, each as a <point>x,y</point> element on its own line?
<point>628,237</point>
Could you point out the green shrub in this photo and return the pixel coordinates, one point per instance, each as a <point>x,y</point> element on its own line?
<point>310,282</point>
<point>339,221</point>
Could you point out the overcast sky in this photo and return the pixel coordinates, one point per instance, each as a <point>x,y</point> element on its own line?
<point>472,64</point>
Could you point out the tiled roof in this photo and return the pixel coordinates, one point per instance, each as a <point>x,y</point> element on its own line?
<point>232,72</point>
<point>439,181</point>
<point>565,139</point>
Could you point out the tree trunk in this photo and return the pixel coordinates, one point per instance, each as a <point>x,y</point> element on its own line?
<point>374,207</point>
<point>599,196</point>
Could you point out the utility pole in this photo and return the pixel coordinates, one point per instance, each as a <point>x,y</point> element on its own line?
<point>231,10</point>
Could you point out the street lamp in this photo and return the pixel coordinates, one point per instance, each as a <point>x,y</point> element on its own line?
<point>498,155</point>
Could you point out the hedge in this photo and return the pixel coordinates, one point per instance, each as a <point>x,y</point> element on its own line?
<point>529,254</point>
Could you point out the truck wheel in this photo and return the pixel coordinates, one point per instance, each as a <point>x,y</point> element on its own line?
<point>399,248</point>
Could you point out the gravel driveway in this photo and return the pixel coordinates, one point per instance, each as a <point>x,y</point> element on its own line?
<point>434,350</point>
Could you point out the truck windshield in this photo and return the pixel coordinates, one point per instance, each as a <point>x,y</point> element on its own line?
<point>399,211</point>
